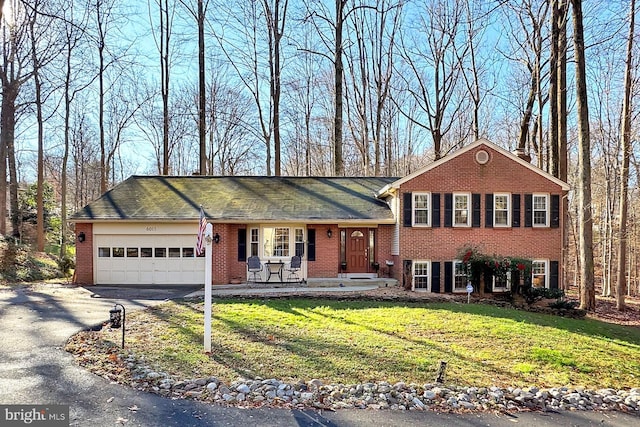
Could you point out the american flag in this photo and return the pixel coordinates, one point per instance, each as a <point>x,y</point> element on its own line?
<point>201,228</point>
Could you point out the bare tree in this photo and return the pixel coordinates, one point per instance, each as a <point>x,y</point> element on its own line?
<point>15,70</point>
<point>432,80</point>
<point>621,283</point>
<point>585,218</point>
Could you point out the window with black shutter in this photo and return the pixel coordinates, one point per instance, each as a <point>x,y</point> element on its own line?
<point>311,244</point>
<point>407,209</point>
<point>555,211</point>
<point>435,277</point>
<point>528,210</point>
<point>553,274</point>
<point>448,276</point>
<point>448,209</point>
<point>242,244</point>
<point>476,208</point>
<point>488,210</point>
<point>515,213</point>
<point>435,210</point>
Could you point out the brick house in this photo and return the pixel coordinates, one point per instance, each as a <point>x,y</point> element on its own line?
<point>143,231</point>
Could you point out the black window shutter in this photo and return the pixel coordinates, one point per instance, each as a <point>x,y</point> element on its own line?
<point>448,209</point>
<point>555,211</point>
<point>476,206</point>
<point>515,210</point>
<point>407,209</point>
<point>435,276</point>
<point>311,244</point>
<point>435,210</point>
<point>488,210</point>
<point>242,244</point>
<point>448,276</point>
<point>528,210</point>
<point>553,275</point>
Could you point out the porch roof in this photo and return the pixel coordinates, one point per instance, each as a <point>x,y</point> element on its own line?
<point>242,199</point>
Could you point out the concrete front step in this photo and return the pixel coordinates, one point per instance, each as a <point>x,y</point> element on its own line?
<point>343,282</point>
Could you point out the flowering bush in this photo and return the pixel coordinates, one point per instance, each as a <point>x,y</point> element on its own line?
<point>477,264</point>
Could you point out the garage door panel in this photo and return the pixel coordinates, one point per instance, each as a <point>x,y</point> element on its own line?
<point>134,268</point>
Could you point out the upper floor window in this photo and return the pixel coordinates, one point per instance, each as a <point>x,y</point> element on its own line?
<point>501,210</point>
<point>461,210</point>
<point>421,209</point>
<point>540,210</point>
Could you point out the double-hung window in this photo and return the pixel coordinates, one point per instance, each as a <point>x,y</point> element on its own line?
<point>540,210</point>
<point>460,279</point>
<point>461,210</point>
<point>501,210</point>
<point>421,211</point>
<point>540,273</point>
<point>421,276</point>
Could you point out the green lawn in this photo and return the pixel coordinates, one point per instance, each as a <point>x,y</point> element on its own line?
<point>347,342</point>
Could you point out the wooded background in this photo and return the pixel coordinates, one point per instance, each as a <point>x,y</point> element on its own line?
<point>96,90</point>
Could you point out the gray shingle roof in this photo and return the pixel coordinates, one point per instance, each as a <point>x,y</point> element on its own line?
<point>241,198</point>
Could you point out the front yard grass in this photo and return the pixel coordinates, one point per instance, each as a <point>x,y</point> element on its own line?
<point>361,341</point>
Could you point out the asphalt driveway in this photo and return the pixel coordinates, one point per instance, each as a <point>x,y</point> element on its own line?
<point>37,320</point>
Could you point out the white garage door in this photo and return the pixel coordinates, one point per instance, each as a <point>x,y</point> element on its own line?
<point>148,259</point>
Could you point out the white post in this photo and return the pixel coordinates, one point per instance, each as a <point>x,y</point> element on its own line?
<point>208,233</point>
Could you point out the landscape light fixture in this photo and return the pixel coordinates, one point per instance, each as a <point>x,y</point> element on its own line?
<point>81,237</point>
<point>117,318</point>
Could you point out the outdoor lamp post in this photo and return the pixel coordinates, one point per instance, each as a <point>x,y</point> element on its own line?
<point>118,318</point>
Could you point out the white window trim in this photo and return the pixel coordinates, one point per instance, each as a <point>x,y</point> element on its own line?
<point>453,210</point>
<point>413,210</point>
<point>546,271</point>
<point>508,195</point>
<point>533,210</point>
<point>501,288</point>
<point>413,275</point>
<point>453,275</point>
<point>262,243</point>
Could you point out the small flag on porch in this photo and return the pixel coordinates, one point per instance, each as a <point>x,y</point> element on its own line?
<point>201,228</point>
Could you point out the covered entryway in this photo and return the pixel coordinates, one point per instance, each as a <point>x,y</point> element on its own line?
<point>357,250</point>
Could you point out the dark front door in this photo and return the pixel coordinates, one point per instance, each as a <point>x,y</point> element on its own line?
<point>357,257</point>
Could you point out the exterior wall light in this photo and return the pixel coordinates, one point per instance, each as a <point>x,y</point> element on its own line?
<point>329,233</point>
<point>81,237</point>
<point>216,238</point>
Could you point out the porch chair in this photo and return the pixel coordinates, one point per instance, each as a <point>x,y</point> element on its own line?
<point>254,267</point>
<point>294,268</point>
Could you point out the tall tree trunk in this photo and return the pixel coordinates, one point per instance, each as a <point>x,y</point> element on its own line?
<point>585,218</point>
<point>40,160</point>
<point>338,162</point>
<point>7,136</point>
<point>553,89</point>
<point>165,32</point>
<point>621,284</point>
<point>562,131</point>
<point>202,95</point>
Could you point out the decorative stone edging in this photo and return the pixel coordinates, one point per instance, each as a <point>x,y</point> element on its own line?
<point>379,395</point>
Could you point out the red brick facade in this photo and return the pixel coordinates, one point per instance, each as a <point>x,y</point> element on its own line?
<point>399,243</point>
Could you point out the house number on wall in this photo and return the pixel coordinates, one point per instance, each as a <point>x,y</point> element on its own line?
<point>152,228</point>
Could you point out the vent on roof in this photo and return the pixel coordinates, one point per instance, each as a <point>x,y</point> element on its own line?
<point>482,157</point>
